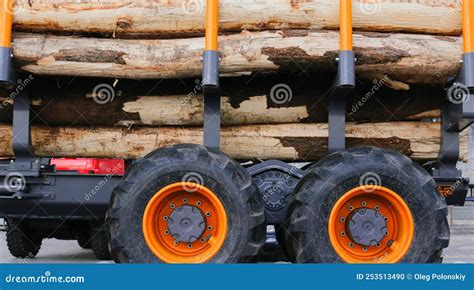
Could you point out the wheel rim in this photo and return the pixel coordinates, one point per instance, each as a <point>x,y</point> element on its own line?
<point>185,222</point>
<point>371,224</point>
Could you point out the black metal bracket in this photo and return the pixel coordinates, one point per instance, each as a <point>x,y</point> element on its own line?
<point>343,88</point>
<point>22,148</point>
<point>212,99</point>
<point>7,74</point>
<point>448,178</point>
<point>25,162</point>
<point>457,114</point>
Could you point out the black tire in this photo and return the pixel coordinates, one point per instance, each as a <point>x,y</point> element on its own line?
<point>22,242</point>
<point>437,257</point>
<point>164,166</point>
<point>281,235</point>
<point>100,243</point>
<point>327,180</point>
<point>84,240</point>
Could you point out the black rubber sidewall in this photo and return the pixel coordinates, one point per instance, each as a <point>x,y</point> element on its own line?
<point>225,183</point>
<point>414,185</point>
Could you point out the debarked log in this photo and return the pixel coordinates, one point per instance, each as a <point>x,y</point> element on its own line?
<point>404,58</point>
<point>187,17</point>
<point>245,101</point>
<point>291,142</point>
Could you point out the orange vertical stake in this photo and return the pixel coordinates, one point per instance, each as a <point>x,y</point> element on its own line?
<point>346,24</point>
<point>6,18</point>
<point>212,24</point>
<point>468,25</point>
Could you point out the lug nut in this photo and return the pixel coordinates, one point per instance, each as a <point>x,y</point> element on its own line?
<point>208,213</point>
<point>363,203</point>
<point>167,232</point>
<point>190,246</point>
<point>343,234</point>
<point>202,240</point>
<point>350,208</point>
<point>165,218</point>
<point>378,245</point>
<point>343,219</point>
<point>176,243</point>
<point>198,203</point>
<point>172,205</point>
<point>351,245</point>
<point>364,249</point>
<point>209,228</point>
<point>377,207</point>
<point>185,200</point>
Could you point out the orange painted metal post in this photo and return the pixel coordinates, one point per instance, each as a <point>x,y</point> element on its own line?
<point>467,68</point>
<point>212,23</point>
<point>345,81</point>
<point>468,25</point>
<point>210,77</point>
<point>346,24</point>
<point>6,18</point>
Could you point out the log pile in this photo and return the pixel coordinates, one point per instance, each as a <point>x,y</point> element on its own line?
<point>145,56</point>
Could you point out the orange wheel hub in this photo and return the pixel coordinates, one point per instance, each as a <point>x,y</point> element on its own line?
<point>185,222</point>
<point>371,224</point>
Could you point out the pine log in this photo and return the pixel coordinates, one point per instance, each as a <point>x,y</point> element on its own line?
<point>404,58</point>
<point>292,142</point>
<point>246,100</point>
<point>171,17</point>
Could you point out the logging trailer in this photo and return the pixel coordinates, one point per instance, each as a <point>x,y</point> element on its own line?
<point>190,203</point>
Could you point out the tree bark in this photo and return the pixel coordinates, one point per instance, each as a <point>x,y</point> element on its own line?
<point>404,58</point>
<point>291,142</point>
<point>246,100</point>
<point>172,17</point>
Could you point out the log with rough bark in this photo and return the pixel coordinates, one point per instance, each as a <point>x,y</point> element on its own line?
<point>292,142</point>
<point>64,102</point>
<point>171,17</point>
<point>404,58</point>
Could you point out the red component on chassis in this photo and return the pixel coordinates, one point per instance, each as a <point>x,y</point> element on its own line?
<point>90,165</point>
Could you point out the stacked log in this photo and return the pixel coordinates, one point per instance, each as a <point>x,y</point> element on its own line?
<point>245,101</point>
<point>290,142</point>
<point>187,17</point>
<point>119,78</point>
<point>399,56</point>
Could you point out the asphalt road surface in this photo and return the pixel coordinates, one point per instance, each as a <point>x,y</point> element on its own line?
<point>460,250</point>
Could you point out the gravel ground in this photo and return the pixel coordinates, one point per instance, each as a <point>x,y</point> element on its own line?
<point>461,249</point>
